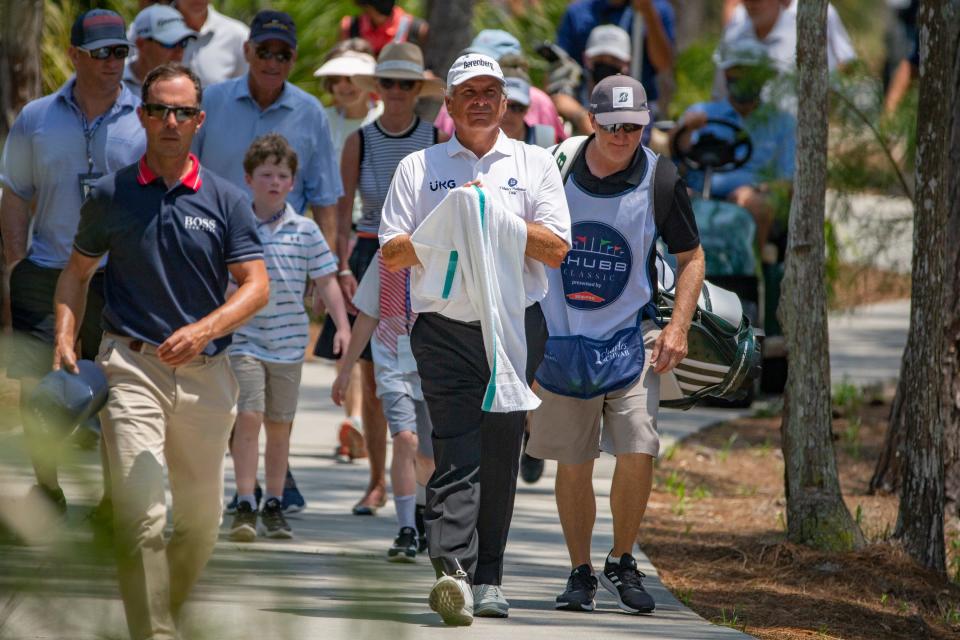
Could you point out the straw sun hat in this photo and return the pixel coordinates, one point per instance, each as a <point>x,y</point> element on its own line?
<point>400,61</point>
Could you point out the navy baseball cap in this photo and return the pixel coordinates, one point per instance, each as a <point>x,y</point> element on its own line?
<point>273,25</point>
<point>98,28</point>
<point>62,400</point>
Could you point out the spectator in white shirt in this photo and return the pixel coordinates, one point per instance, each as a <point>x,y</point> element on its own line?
<point>773,23</point>
<point>217,55</point>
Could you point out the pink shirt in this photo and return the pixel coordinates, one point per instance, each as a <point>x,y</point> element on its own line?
<point>541,111</point>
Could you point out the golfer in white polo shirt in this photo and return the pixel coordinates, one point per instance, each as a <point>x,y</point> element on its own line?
<point>466,527</point>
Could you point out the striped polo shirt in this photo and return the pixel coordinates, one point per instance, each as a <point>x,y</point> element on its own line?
<point>295,251</point>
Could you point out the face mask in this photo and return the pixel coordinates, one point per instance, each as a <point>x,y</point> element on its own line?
<point>744,91</point>
<point>603,70</point>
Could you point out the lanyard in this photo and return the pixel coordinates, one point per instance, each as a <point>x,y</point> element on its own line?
<point>89,130</point>
<point>273,218</point>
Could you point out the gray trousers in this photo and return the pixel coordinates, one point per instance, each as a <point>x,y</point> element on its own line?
<point>467,527</point>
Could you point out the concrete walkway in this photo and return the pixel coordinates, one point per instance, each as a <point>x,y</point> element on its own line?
<point>332,581</point>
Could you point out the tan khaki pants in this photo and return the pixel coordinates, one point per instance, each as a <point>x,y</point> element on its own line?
<point>182,416</point>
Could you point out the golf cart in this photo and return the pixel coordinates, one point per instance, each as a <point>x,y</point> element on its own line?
<point>727,234</point>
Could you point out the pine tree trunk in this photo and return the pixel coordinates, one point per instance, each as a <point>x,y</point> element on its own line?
<point>922,382</point>
<point>451,31</point>
<point>888,474</point>
<point>889,470</point>
<point>816,513</point>
<point>21,24</point>
<point>951,433</point>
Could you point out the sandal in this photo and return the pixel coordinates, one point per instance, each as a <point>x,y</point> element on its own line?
<point>363,508</point>
<point>351,445</point>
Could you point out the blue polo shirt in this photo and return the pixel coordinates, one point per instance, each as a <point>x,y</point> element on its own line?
<point>582,16</point>
<point>46,152</point>
<point>169,248</point>
<point>234,120</point>
<point>773,134</point>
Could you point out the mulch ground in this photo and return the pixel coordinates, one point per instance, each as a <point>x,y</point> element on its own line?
<point>855,285</point>
<point>715,529</point>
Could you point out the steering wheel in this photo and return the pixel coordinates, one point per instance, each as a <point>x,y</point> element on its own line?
<point>713,152</point>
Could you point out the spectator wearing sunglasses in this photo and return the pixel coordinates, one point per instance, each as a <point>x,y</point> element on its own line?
<point>161,37</point>
<point>352,108</point>
<point>263,101</point>
<point>217,54</point>
<point>370,157</point>
<point>58,145</point>
<point>602,293</point>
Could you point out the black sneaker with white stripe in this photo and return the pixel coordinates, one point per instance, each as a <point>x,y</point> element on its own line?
<point>404,548</point>
<point>623,580</point>
<point>581,590</point>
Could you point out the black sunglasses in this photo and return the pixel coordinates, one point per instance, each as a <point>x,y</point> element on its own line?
<point>163,111</point>
<point>404,85</point>
<point>282,56</point>
<point>516,107</point>
<point>626,127</point>
<point>176,45</point>
<point>102,53</point>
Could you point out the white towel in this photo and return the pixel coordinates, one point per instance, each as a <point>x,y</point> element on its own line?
<point>468,246</point>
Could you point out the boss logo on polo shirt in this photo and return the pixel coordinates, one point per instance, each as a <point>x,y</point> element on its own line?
<point>196,223</point>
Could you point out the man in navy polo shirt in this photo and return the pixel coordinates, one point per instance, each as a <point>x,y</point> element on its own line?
<point>57,147</point>
<point>174,232</point>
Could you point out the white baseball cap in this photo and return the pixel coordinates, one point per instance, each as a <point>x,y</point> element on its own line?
<point>162,23</point>
<point>473,65</point>
<point>608,39</point>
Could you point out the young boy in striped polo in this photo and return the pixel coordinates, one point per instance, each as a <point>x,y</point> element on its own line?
<point>385,320</point>
<point>267,352</point>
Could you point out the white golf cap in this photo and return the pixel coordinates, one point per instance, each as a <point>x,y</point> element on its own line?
<point>348,63</point>
<point>610,40</point>
<point>473,65</point>
<point>162,23</point>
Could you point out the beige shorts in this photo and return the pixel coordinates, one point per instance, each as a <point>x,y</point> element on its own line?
<point>576,430</point>
<point>270,388</point>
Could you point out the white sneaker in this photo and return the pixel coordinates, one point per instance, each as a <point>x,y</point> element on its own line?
<point>452,598</point>
<point>488,601</point>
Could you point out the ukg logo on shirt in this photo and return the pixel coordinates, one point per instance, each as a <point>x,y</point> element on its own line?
<point>597,268</point>
<point>442,184</point>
